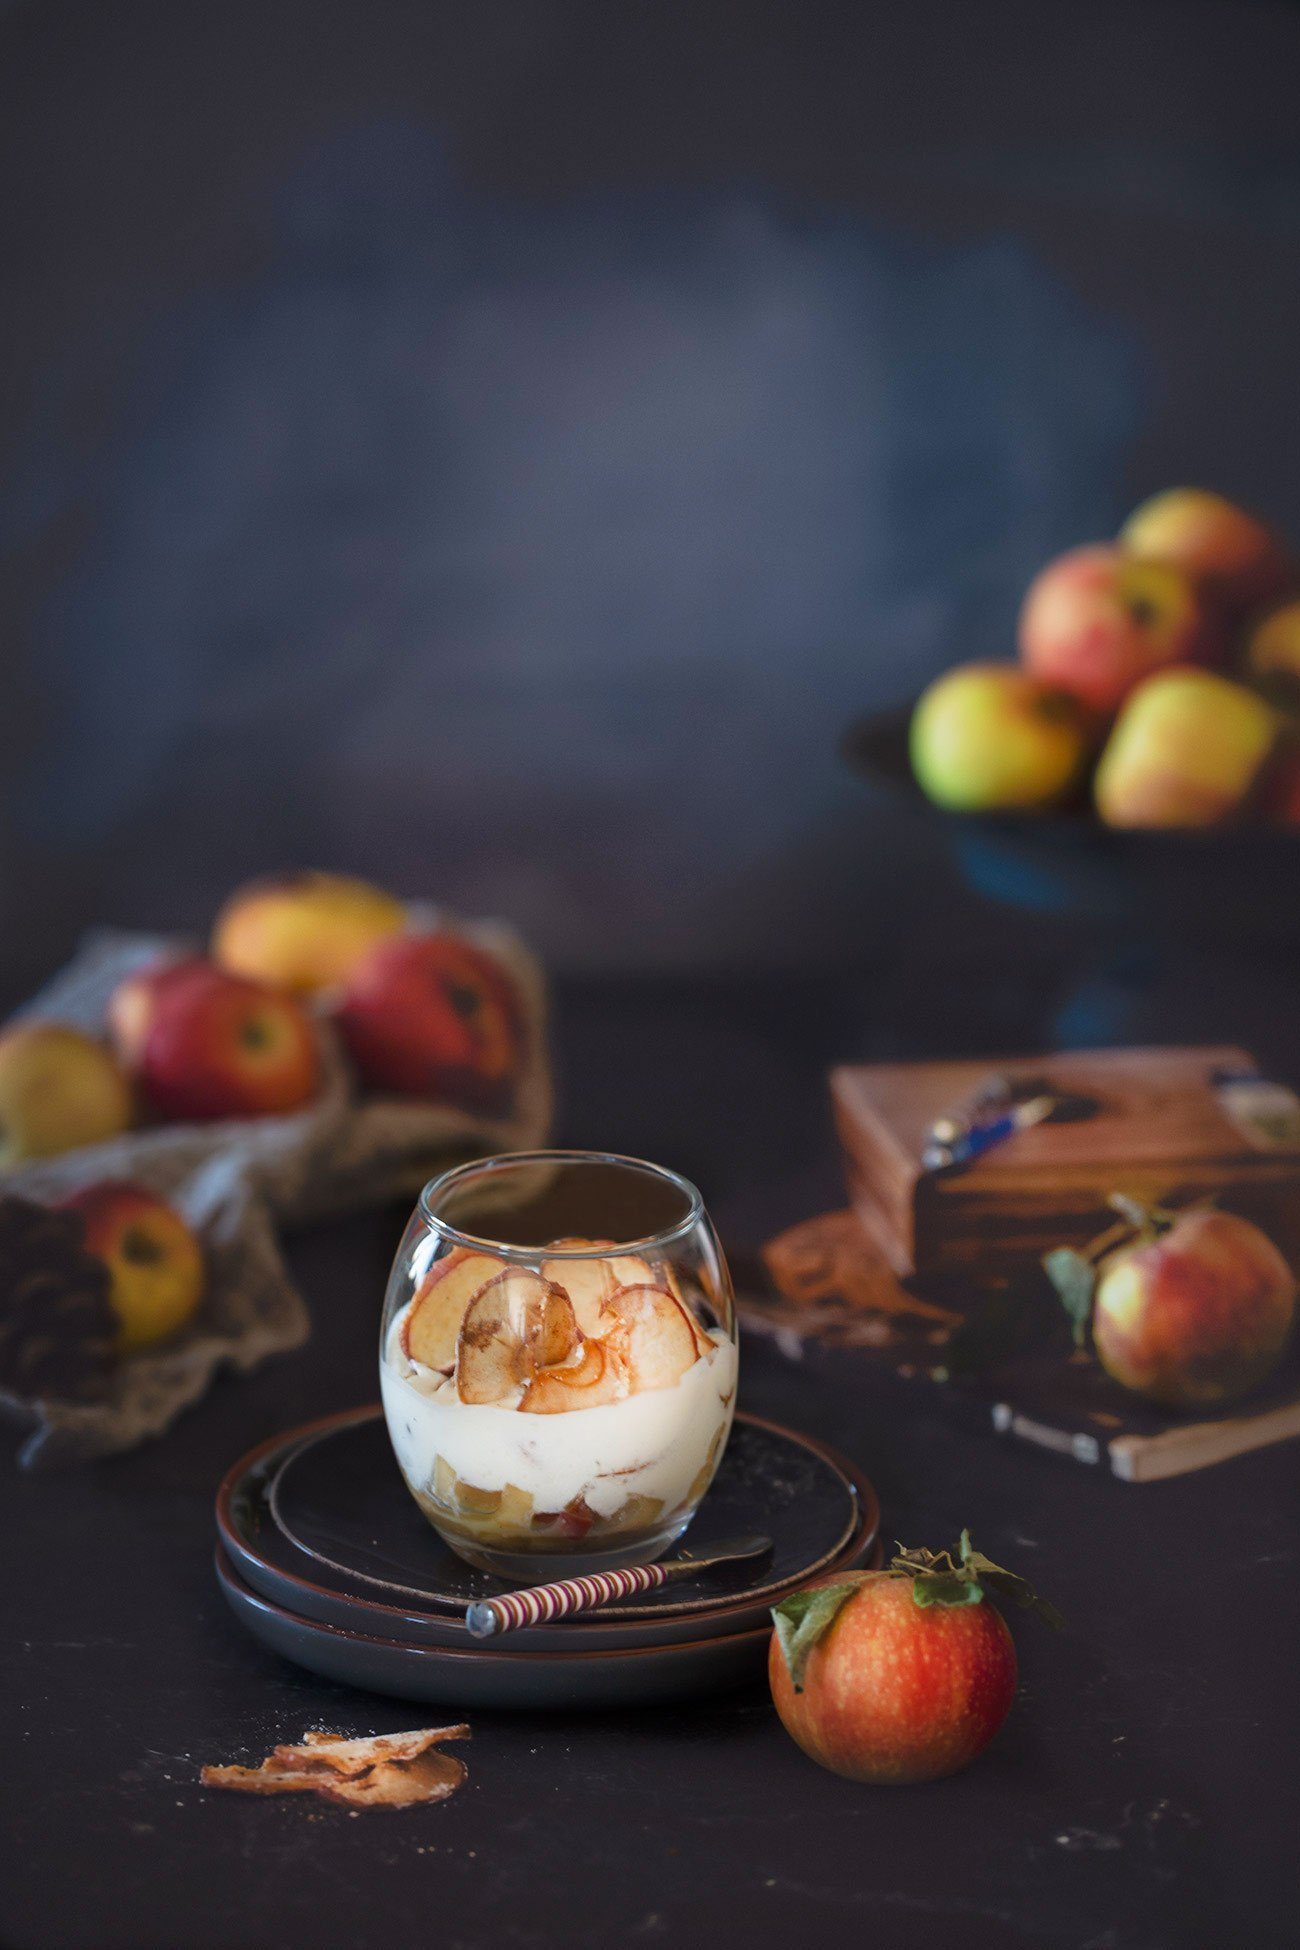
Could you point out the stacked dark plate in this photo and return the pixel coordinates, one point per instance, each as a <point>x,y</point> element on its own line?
<point>326,1559</point>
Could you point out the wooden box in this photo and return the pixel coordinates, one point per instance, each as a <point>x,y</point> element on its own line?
<point>1162,1128</point>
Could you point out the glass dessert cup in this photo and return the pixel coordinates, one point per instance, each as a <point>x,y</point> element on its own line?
<point>558,1361</point>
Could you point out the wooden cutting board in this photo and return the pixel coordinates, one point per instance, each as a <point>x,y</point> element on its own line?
<point>1162,1127</point>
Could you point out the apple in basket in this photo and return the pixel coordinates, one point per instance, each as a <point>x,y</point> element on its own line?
<point>428,1015</point>
<point>59,1089</point>
<point>303,931</point>
<point>132,1003</point>
<point>218,1045</point>
<point>155,1262</point>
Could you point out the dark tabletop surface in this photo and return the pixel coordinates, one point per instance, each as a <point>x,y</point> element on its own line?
<point>1142,1794</point>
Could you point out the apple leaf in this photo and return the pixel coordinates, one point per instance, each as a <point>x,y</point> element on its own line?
<point>806,1616</point>
<point>1007,1584</point>
<point>1075,1280</point>
<point>945,1588</point>
<point>963,1578</point>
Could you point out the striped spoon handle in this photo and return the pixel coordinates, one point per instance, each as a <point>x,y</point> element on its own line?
<point>541,1602</point>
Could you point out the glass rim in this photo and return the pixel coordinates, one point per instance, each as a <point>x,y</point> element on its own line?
<point>502,1159</point>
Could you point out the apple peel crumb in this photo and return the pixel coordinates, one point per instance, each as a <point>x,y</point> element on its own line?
<point>388,1770</point>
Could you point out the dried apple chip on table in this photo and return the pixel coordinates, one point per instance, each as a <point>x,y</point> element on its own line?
<point>393,1770</point>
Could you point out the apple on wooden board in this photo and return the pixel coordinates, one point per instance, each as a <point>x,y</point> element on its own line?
<point>902,1675</point>
<point>1191,1309</point>
<point>218,1045</point>
<point>1096,622</point>
<point>59,1089</point>
<point>430,1015</point>
<point>303,931</point>
<point>155,1262</point>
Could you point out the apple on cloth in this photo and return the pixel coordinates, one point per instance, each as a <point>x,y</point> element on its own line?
<point>236,1179</point>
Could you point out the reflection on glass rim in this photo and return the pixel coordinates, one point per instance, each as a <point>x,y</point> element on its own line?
<point>449,1181</point>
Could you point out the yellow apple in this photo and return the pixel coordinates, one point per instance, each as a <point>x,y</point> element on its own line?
<point>155,1263</point>
<point>59,1089</point>
<point>304,932</point>
<point>991,738</point>
<point>1187,750</point>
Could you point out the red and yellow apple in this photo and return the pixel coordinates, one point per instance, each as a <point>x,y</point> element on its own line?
<point>305,931</point>
<point>894,1692</point>
<point>218,1045</point>
<point>1188,749</point>
<point>1095,623</point>
<point>154,1260</point>
<point>1198,1316</point>
<point>990,738</point>
<point>131,1005</point>
<point>1229,555</point>
<point>428,1015</point>
<point>59,1089</point>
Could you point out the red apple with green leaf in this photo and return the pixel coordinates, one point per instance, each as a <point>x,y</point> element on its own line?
<point>902,1675</point>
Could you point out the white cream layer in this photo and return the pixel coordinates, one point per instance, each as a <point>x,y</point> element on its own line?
<point>653,1443</point>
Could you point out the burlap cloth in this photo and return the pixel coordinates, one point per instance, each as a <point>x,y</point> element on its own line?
<point>238,1182</point>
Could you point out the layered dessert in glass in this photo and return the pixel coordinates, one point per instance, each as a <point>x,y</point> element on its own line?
<point>558,1400</point>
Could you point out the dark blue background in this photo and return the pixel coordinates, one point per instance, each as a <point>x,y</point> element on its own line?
<point>498,448</point>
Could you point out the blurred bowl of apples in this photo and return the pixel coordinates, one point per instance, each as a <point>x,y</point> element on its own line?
<point>1140,755</point>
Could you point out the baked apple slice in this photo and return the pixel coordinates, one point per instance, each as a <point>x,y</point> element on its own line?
<point>517,1323</point>
<point>595,1378</point>
<point>432,1326</point>
<point>703,1342</point>
<point>590,1282</point>
<point>651,1334</point>
<point>587,1284</point>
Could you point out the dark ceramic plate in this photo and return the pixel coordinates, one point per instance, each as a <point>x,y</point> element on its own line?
<point>367,1561</point>
<point>473,1676</point>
